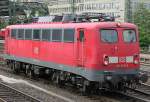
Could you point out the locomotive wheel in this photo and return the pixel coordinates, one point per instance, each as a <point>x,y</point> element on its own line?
<point>121,87</point>
<point>55,78</point>
<point>62,79</point>
<point>8,64</point>
<point>16,67</point>
<point>85,89</point>
<point>30,73</point>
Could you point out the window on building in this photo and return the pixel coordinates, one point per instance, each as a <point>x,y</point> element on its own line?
<point>28,34</point>
<point>36,34</point>
<point>101,6</point>
<point>117,5</point>
<point>20,34</point>
<point>13,33</point>
<point>57,35</point>
<point>69,35</point>
<point>46,34</point>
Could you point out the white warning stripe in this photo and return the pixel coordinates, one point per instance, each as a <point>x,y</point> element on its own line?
<point>129,59</point>
<point>113,59</point>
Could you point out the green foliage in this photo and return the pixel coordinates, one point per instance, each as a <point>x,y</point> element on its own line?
<point>41,12</point>
<point>3,25</point>
<point>142,20</point>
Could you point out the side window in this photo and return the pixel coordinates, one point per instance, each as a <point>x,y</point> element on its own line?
<point>14,33</point>
<point>46,34</point>
<point>20,34</point>
<point>28,34</point>
<point>69,35</point>
<point>36,34</point>
<point>81,35</point>
<point>56,35</point>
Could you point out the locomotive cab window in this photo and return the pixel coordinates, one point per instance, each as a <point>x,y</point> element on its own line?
<point>20,34</point>
<point>14,33</point>
<point>81,35</point>
<point>129,36</point>
<point>46,35</point>
<point>28,34</point>
<point>56,35</point>
<point>69,35</point>
<point>36,34</point>
<point>109,36</point>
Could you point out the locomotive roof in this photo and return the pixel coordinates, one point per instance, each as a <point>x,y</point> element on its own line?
<point>72,25</point>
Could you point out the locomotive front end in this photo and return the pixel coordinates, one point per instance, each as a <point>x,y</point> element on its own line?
<point>119,53</point>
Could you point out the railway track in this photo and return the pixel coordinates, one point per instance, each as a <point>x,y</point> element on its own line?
<point>145,64</point>
<point>9,94</point>
<point>145,88</point>
<point>140,94</point>
<point>145,69</point>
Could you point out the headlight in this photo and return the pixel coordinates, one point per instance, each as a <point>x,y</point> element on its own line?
<point>105,60</point>
<point>136,62</point>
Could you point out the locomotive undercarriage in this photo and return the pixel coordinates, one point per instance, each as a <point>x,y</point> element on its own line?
<point>62,78</point>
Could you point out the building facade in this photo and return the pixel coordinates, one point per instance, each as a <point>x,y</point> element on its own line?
<point>133,5</point>
<point>30,0</point>
<point>122,9</point>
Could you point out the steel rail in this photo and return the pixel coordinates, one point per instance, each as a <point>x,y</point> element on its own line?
<point>145,88</point>
<point>1,100</point>
<point>131,96</point>
<point>9,94</point>
<point>141,93</point>
<point>145,85</point>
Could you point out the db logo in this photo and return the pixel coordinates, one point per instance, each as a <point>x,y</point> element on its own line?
<point>122,59</point>
<point>36,50</point>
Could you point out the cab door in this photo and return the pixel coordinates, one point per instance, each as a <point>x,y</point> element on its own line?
<point>80,47</point>
<point>36,43</point>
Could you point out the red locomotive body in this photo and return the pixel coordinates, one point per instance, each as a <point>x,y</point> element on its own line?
<point>102,52</point>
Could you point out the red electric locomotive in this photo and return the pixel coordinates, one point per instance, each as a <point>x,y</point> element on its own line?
<point>92,55</point>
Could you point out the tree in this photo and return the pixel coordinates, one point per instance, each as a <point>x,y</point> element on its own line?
<point>3,24</point>
<point>142,20</point>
